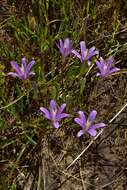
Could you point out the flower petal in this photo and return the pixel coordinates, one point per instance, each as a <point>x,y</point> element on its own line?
<point>83,117</point>
<point>46,112</point>
<point>79,122</point>
<point>68,52</point>
<point>83,49</point>
<point>31,73</point>
<point>60,46</point>
<point>66,43</point>
<point>80,133</point>
<point>52,105</point>
<point>89,62</point>
<point>98,125</point>
<point>56,124</point>
<point>16,67</point>
<point>100,64</point>
<point>98,74</point>
<point>28,68</point>
<point>61,108</point>
<point>114,70</point>
<point>24,62</point>
<point>92,132</point>
<point>13,74</point>
<point>92,116</point>
<point>92,52</point>
<point>61,116</point>
<point>77,54</point>
<point>110,61</point>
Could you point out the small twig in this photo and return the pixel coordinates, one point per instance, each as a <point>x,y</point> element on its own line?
<point>39,178</point>
<point>111,182</point>
<point>4,107</point>
<point>74,177</point>
<point>83,184</point>
<point>55,20</point>
<point>29,182</point>
<point>89,70</point>
<point>103,36</point>
<point>118,113</point>
<point>3,23</point>
<point>65,173</point>
<point>44,178</point>
<point>92,141</point>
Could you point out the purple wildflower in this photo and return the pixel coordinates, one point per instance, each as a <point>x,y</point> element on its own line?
<point>86,54</point>
<point>65,47</point>
<point>24,71</point>
<point>54,114</point>
<point>105,67</point>
<point>87,125</point>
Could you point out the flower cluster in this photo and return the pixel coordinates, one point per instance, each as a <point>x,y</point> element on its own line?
<point>65,47</point>
<point>55,115</point>
<point>105,66</point>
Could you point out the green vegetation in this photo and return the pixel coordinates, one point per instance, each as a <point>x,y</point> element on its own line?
<point>33,153</point>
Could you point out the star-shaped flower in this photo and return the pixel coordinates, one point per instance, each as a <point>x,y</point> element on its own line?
<point>24,71</point>
<point>87,125</point>
<point>106,67</point>
<point>86,54</point>
<point>65,47</point>
<point>54,114</point>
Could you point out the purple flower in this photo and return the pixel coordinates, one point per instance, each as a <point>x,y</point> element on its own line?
<point>86,54</point>
<point>65,47</point>
<point>105,67</point>
<point>87,125</point>
<point>54,114</point>
<point>24,71</point>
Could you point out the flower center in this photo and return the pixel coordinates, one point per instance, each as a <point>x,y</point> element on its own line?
<point>87,126</point>
<point>22,69</point>
<point>54,112</point>
<point>85,53</point>
<point>105,68</point>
